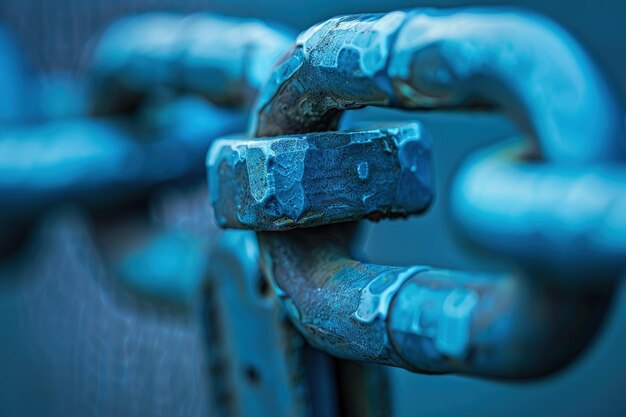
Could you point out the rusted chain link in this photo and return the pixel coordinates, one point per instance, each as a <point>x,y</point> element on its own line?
<point>509,326</point>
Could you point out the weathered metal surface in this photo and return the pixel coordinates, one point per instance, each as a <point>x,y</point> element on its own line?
<point>320,178</point>
<point>256,359</point>
<point>424,319</point>
<point>464,59</point>
<point>491,325</point>
<point>426,59</point>
<point>418,318</point>
<point>324,292</point>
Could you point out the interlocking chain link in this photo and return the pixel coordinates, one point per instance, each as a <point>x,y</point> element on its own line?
<point>523,324</point>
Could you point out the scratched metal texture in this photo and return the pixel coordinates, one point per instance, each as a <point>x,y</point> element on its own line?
<point>295,180</point>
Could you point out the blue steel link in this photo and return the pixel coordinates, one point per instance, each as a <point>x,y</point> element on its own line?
<point>307,180</point>
<point>515,325</point>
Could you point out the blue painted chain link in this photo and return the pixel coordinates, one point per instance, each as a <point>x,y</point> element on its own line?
<point>552,202</point>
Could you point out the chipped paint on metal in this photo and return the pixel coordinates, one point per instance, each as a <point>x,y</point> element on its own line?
<point>377,295</point>
<point>441,315</point>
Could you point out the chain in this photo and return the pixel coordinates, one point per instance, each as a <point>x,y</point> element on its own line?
<point>551,202</point>
<point>155,100</point>
<point>523,324</point>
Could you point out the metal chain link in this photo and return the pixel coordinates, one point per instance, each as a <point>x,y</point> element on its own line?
<point>552,202</point>
<point>524,324</point>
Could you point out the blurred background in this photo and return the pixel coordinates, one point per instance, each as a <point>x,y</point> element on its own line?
<point>76,341</point>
